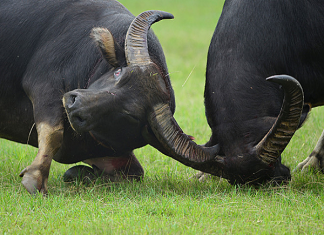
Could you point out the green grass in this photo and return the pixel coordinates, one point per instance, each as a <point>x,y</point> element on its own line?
<point>167,202</point>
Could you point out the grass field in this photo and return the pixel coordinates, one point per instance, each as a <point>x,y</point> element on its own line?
<point>167,202</point>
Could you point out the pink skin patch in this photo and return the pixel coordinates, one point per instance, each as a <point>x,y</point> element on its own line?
<point>111,93</point>
<point>109,164</point>
<point>191,137</point>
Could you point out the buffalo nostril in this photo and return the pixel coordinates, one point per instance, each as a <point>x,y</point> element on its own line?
<point>71,101</point>
<point>73,98</point>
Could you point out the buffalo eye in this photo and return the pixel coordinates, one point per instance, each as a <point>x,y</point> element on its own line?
<point>117,73</point>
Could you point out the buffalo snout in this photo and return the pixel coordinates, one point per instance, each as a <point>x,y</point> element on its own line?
<point>74,107</point>
<point>71,101</point>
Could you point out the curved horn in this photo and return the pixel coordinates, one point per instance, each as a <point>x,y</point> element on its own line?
<point>136,50</point>
<point>177,144</point>
<point>276,140</point>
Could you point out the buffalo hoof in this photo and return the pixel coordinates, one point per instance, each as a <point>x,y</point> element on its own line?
<point>201,176</point>
<point>33,181</point>
<point>312,162</point>
<point>80,173</point>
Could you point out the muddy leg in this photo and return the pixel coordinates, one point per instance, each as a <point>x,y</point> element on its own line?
<point>315,159</point>
<point>35,176</point>
<point>48,116</point>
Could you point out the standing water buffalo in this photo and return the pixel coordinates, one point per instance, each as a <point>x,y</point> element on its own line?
<point>117,98</point>
<point>252,119</point>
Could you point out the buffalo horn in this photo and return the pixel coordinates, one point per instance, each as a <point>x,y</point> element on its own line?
<point>177,144</point>
<point>136,50</point>
<point>171,138</point>
<point>276,140</point>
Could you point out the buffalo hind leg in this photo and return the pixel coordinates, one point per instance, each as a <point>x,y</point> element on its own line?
<point>111,169</point>
<point>315,160</point>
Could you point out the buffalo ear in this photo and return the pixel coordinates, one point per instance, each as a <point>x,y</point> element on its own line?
<point>107,45</point>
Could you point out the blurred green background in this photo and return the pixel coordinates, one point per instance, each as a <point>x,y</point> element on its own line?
<point>167,202</point>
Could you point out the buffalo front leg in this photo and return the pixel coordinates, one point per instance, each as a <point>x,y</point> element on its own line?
<point>45,90</point>
<point>315,159</point>
<point>35,176</point>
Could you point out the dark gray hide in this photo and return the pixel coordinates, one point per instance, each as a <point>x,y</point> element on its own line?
<point>45,51</point>
<point>252,41</point>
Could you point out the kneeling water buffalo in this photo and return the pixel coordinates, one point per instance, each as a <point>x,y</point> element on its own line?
<point>117,98</point>
<point>252,119</point>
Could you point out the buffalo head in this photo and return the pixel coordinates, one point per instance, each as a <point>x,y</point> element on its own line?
<point>129,106</point>
<point>262,162</point>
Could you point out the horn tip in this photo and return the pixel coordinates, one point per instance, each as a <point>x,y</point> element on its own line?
<point>156,16</point>
<point>283,77</point>
<point>167,15</point>
<point>284,80</point>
